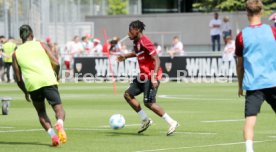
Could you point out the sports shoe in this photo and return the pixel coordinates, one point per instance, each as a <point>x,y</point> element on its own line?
<point>55,140</point>
<point>61,133</point>
<point>145,125</point>
<point>172,128</point>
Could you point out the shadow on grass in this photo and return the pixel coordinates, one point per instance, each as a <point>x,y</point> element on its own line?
<point>115,133</point>
<point>23,143</point>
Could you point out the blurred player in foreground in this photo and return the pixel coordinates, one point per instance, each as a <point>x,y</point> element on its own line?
<point>34,62</point>
<point>256,67</point>
<point>148,80</point>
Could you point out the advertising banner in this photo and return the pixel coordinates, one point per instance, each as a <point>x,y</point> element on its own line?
<point>173,68</point>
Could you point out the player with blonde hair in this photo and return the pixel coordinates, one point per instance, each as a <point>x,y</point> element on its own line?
<point>256,67</point>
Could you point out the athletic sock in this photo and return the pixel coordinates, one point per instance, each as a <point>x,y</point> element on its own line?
<point>60,121</point>
<point>142,114</point>
<point>51,132</point>
<point>168,119</point>
<point>249,146</point>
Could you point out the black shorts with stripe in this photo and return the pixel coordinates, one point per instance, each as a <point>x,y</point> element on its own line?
<point>255,98</point>
<point>49,92</point>
<point>137,87</point>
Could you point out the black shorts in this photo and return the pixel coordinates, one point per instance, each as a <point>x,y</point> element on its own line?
<point>255,98</point>
<point>146,87</point>
<point>49,92</point>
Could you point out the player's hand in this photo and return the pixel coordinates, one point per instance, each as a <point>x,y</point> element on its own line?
<point>240,93</point>
<point>27,97</point>
<point>154,84</point>
<point>121,58</point>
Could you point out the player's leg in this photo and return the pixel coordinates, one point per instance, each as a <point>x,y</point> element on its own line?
<point>134,90</point>
<point>52,95</point>
<point>131,100</point>
<point>1,69</point>
<point>5,70</point>
<point>248,132</point>
<point>8,72</point>
<point>150,102</point>
<point>42,115</point>
<point>253,103</point>
<point>38,102</point>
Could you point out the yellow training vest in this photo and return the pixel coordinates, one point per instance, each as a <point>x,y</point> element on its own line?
<point>35,65</point>
<point>8,48</point>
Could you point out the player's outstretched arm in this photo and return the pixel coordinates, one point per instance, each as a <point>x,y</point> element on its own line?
<point>18,77</point>
<point>125,56</point>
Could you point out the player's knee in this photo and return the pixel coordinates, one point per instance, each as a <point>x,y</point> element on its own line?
<point>127,96</point>
<point>148,105</point>
<point>41,114</point>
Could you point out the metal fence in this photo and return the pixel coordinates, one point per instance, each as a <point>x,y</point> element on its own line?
<point>60,19</point>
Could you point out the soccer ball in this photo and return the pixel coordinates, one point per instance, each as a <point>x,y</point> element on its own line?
<point>117,121</point>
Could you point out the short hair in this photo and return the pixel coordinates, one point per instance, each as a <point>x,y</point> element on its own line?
<point>254,7</point>
<point>25,31</point>
<point>2,36</point>
<point>138,25</point>
<point>176,37</point>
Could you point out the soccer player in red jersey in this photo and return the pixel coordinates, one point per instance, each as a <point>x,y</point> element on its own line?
<point>148,80</point>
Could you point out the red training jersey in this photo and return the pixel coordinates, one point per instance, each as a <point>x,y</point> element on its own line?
<point>145,50</point>
<point>239,40</point>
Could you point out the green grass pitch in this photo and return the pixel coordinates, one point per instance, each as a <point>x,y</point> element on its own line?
<point>210,115</point>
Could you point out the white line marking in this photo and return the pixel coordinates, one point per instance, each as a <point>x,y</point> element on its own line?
<point>192,98</point>
<point>196,133</point>
<point>6,127</point>
<point>203,146</point>
<point>33,130</point>
<point>214,121</point>
<point>25,130</point>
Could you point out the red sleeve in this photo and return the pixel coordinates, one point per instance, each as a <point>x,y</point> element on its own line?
<point>149,46</point>
<point>274,31</point>
<point>239,45</point>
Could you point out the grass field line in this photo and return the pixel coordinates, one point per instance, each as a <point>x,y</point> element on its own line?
<point>21,130</point>
<point>196,133</point>
<point>216,121</point>
<point>6,127</point>
<point>193,98</point>
<point>96,129</point>
<point>34,130</point>
<point>202,146</point>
